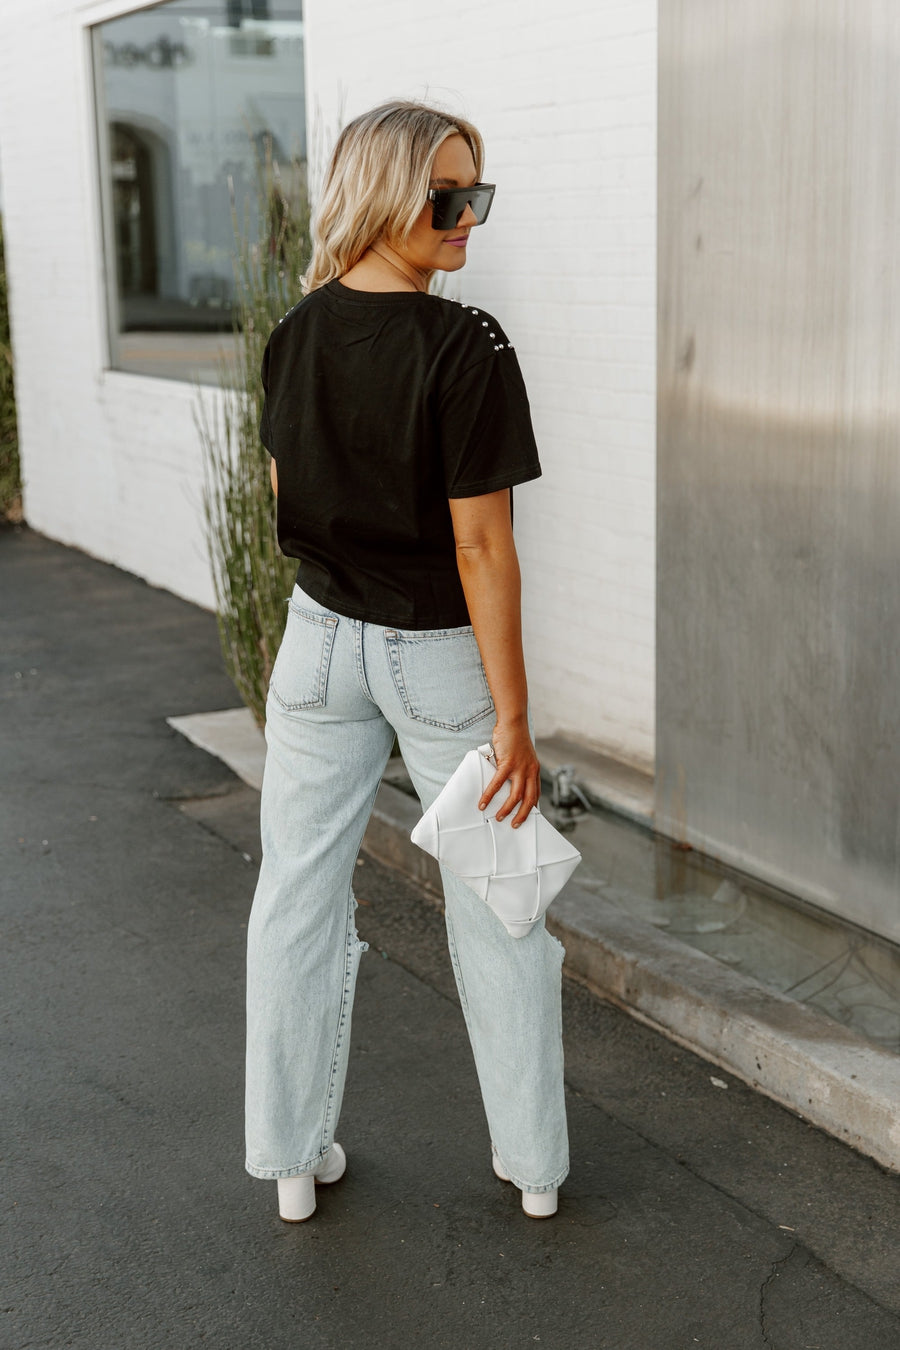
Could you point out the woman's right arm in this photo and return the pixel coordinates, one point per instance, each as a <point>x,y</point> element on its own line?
<point>489,572</point>
<point>273,473</point>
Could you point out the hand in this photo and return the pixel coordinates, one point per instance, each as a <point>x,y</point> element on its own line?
<point>517,764</point>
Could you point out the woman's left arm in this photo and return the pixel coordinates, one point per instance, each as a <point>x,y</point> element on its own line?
<point>489,572</point>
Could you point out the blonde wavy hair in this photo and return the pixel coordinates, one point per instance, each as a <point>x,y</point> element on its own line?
<point>377,183</point>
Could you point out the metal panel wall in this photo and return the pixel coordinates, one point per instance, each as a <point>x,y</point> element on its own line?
<point>779,444</point>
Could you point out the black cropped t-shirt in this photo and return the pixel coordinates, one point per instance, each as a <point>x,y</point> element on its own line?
<point>378,409</point>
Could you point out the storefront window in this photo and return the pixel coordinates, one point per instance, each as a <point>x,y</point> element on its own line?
<point>192,96</point>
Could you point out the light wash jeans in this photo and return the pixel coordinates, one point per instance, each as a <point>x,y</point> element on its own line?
<point>340,689</point>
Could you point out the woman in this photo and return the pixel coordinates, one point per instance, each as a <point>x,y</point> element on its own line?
<point>398,423</point>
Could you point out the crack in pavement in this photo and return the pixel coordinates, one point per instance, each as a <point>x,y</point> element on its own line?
<point>795,1247</point>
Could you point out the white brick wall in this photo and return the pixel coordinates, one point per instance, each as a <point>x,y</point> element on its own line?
<point>566,98</point>
<point>111,461</point>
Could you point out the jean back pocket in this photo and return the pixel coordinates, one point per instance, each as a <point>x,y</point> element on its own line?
<point>300,675</point>
<point>439,676</point>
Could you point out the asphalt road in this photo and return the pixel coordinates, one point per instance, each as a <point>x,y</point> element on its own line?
<point>695,1215</point>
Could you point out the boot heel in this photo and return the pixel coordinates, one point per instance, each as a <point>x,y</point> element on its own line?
<point>296,1198</point>
<point>297,1195</point>
<point>536,1204</point>
<point>540,1204</point>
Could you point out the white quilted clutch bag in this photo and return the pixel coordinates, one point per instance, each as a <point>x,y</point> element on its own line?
<point>517,872</point>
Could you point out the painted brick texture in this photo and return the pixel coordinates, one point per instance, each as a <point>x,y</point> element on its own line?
<point>111,462</point>
<point>566,99</point>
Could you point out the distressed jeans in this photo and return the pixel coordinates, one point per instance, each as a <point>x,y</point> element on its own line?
<point>339,692</point>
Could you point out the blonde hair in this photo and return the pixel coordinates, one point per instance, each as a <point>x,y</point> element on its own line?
<point>378,181</point>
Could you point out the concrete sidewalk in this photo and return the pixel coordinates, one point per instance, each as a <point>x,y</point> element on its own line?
<point>697,1213</point>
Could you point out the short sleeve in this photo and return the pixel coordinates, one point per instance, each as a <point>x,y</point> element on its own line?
<point>487,440</point>
<point>265,426</point>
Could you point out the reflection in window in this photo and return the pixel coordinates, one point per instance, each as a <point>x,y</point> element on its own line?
<point>191,95</point>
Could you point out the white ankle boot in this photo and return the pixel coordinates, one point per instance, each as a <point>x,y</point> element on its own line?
<point>297,1195</point>
<point>536,1204</point>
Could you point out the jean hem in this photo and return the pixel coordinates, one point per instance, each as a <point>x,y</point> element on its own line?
<point>280,1173</point>
<point>529,1189</point>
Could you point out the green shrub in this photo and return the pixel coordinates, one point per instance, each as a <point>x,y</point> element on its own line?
<point>10,480</point>
<point>252,577</point>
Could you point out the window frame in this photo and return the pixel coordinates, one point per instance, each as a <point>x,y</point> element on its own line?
<point>99,204</point>
<point>99,201</point>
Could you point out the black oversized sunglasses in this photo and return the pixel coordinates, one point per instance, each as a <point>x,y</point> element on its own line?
<point>448,204</point>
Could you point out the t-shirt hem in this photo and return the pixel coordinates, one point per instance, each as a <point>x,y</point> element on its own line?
<point>504,480</point>
<point>425,624</point>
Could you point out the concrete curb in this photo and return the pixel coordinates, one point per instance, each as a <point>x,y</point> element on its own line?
<point>802,1060</point>
<point>807,1062</point>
